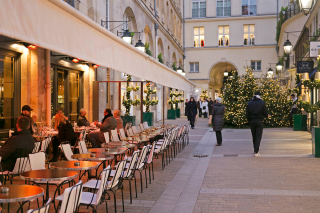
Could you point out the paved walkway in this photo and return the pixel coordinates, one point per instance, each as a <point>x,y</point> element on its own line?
<point>229,179</point>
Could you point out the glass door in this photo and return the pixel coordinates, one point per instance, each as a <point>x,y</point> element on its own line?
<point>74,96</point>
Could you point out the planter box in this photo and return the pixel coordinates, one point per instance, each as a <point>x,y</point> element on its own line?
<point>171,114</point>
<point>148,117</point>
<point>316,141</point>
<point>300,123</point>
<point>128,119</point>
<point>178,112</point>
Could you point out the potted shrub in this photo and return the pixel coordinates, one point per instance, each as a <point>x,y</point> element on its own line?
<point>147,115</point>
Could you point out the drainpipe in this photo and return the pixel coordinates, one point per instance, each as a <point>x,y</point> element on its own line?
<point>48,87</point>
<point>156,26</point>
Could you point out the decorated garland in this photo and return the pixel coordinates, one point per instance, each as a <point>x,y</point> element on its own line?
<point>148,102</point>
<point>204,94</point>
<point>127,102</point>
<point>311,84</point>
<point>310,108</point>
<point>174,98</point>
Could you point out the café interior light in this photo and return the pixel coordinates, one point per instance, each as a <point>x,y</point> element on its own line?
<point>127,37</point>
<point>30,46</point>
<point>95,65</point>
<point>74,60</point>
<point>306,6</point>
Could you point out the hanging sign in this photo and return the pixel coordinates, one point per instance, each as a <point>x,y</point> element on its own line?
<point>305,66</point>
<point>314,48</point>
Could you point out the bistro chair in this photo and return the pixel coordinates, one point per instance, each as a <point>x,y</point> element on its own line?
<point>67,151</point>
<point>140,165</point>
<point>134,129</point>
<point>122,134</point>
<point>36,147</point>
<point>141,127</point>
<point>106,137</point>
<point>114,135</point>
<point>43,209</point>
<point>44,145</point>
<point>130,132</point>
<point>149,161</point>
<point>160,150</point>
<point>145,125</point>
<point>82,147</point>
<point>69,201</point>
<point>37,161</point>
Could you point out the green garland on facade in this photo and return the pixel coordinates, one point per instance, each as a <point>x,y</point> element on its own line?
<point>127,103</point>
<point>310,108</point>
<point>311,84</point>
<point>148,102</point>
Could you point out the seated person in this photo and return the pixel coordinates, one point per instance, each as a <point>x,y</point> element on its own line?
<point>82,120</point>
<point>65,134</point>
<point>108,123</point>
<point>22,140</point>
<point>58,111</point>
<point>117,116</point>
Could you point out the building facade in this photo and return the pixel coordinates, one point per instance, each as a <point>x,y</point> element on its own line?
<point>228,35</point>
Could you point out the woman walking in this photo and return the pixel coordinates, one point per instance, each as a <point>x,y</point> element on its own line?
<point>192,111</point>
<point>216,119</point>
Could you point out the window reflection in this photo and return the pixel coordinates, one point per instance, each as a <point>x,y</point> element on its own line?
<point>74,96</point>
<point>61,90</point>
<point>6,92</point>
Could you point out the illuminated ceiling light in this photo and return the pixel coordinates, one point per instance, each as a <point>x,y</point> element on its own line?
<point>30,46</point>
<point>74,60</point>
<point>95,65</point>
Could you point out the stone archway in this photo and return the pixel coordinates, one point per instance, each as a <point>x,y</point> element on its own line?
<point>216,76</point>
<point>148,38</point>
<point>128,15</point>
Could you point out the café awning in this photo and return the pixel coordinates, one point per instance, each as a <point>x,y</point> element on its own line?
<point>55,25</point>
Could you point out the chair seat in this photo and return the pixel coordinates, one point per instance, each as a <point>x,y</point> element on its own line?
<point>86,198</point>
<point>92,184</point>
<point>113,172</point>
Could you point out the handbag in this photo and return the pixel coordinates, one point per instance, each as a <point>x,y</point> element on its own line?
<point>204,108</point>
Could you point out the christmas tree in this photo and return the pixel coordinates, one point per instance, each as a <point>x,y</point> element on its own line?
<point>276,99</point>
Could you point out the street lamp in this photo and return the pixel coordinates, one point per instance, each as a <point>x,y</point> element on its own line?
<point>225,73</point>
<point>279,67</point>
<point>127,37</point>
<point>306,5</point>
<point>179,70</point>
<point>183,73</point>
<point>140,45</point>
<point>270,72</point>
<point>287,47</point>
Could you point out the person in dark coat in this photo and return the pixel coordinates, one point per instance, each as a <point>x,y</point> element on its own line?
<point>65,134</point>
<point>26,111</point>
<point>210,105</point>
<point>192,111</point>
<point>216,119</point>
<point>256,112</point>
<point>199,103</point>
<point>19,145</point>
<point>82,120</point>
<point>186,107</point>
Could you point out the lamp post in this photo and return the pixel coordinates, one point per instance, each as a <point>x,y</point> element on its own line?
<point>287,47</point>
<point>140,45</point>
<point>270,73</point>
<point>306,6</point>
<point>179,70</point>
<point>279,67</point>
<point>225,73</point>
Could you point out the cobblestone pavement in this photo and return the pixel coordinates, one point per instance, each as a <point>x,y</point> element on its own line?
<point>230,179</point>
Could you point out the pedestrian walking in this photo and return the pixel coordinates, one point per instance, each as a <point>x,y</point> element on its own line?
<point>210,105</point>
<point>192,111</point>
<point>216,119</point>
<point>199,107</point>
<point>204,108</point>
<point>186,108</point>
<point>256,112</point>
<point>294,108</point>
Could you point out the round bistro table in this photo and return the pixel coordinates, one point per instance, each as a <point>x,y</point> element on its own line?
<point>21,194</point>
<point>70,165</point>
<point>110,151</point>
<point>47,175</point>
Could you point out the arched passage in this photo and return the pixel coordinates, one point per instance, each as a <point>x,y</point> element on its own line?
<point>174,59</point>
<point>128,16</point>
<point>148,38</point>
<point>160,47</point>
<point>216,77</point>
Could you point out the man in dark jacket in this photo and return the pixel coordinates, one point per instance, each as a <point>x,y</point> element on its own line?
<point>19,145</point>
<point>199,103</point>
<point>210,105</point>
<point>82,120</point>
<point>26,111</point>
<point>256,112</point>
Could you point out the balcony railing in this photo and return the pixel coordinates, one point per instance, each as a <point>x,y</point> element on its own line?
<point>292,10</point>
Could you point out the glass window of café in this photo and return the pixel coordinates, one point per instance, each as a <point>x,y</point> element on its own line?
<point>66,92</point>
<point>9,92</point>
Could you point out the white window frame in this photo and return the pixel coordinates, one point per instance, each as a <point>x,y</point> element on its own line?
<point>249,41</point>
<point>194,67</point>
<point>249,6</point>
<point>199,8</point>
<point>199,36</point>
<point>224,36</point>
<point>255,68</point>
<point>223,2</point>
